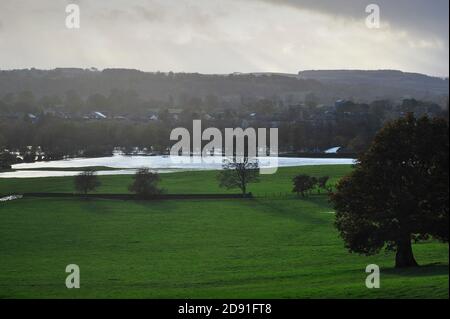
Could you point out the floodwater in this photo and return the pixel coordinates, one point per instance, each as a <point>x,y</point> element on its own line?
<point>123,164</point>
<point>11,197</point>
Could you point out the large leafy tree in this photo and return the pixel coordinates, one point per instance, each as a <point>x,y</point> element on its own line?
<point>398,191</point>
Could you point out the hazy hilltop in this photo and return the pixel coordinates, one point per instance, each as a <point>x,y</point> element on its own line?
<point>151,85</point>
<point>391,83</point>
<point>323,86</point>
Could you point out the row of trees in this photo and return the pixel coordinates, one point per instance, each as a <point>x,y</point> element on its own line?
<point>235,174</point>
<point>302,128</point>
<point>56,137</point>
<point>145,182</point>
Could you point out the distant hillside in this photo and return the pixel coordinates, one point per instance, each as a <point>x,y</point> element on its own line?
<point>152,85</point>
<point>390,83</point>
<point>324,86</point>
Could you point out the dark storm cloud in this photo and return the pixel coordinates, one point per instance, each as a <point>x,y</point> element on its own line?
<point>426,16</point>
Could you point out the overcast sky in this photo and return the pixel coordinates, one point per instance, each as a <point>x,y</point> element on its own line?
<point>224,36</point>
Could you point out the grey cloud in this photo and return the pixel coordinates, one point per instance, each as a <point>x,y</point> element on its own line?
<point>225,35</point>
<point>154,12</point>
<point>150,14</point>
<point>421,15</point>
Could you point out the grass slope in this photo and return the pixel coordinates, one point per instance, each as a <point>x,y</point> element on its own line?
<point>258,248</point>
<point>183,182</point>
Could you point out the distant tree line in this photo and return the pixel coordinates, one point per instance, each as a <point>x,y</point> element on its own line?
<point>302,128</point>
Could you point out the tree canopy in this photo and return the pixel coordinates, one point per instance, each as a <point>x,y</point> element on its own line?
<point>398,191</point>
<point>303,183</point>
<point>145,183</point>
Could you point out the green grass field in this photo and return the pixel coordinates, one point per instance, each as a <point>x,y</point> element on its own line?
<point>273,246</point>
<point>204,182</point>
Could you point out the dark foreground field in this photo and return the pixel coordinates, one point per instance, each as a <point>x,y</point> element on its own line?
<point>273,246</point>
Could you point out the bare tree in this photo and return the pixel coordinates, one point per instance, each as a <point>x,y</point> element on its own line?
<point>238,173</point>
<point>86,181</point>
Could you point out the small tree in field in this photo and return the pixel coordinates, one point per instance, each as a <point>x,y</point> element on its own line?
<point>322,183</point>
<point>145,183</point>
<point>398,191</point>
<point>86,181</point>
<point>303,184</point>
<point>238,174</point>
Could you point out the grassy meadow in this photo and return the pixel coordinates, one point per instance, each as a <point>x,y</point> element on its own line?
<point>192,182</point>
<point>272,246</point>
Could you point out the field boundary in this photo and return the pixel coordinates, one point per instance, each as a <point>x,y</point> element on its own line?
<point>138,197</point>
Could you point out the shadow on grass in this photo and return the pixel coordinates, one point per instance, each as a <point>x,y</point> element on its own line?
<point>320,200</point>
<point>299,213</point>
<point>434,269</point>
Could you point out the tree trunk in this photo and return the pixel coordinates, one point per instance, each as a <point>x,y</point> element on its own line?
<point>404,256</point>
